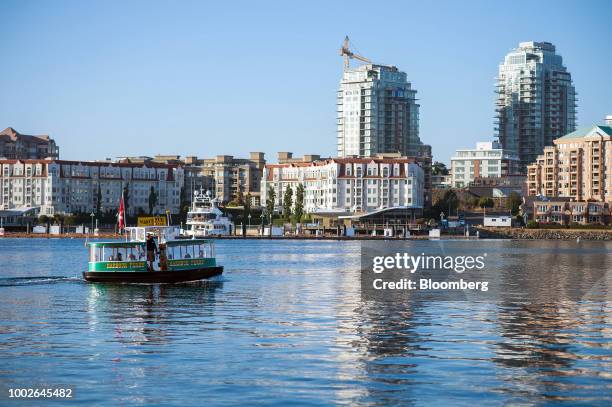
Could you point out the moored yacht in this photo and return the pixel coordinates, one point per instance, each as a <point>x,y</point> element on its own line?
<point>205,219</point>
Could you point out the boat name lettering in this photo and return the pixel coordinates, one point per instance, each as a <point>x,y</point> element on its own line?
<point>187,262</point>
<point>124,265</point>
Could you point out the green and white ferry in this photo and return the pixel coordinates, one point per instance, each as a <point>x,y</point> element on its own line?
<point>135,261</point>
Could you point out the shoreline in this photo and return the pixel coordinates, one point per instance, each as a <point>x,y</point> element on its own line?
<point>484,233</point>
<point>545,234</point>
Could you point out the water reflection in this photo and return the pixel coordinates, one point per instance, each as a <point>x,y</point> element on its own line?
<point>288,323</point>
<point>144,314</point>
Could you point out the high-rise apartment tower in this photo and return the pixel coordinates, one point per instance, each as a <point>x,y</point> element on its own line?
<point>536,100</point>
<point>377,112</point>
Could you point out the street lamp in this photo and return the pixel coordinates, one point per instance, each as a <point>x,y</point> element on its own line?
<point>92,221</point>
<point>270,226</point>
<point>261,223</point>
<point>249,220</point>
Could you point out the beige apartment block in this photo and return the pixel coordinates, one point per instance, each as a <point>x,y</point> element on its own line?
<point>577,166</point>
<point>226,176</point>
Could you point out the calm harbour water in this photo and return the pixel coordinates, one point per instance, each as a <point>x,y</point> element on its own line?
<point>287,324</point>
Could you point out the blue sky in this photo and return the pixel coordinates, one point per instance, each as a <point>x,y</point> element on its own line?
<point>204,78</point>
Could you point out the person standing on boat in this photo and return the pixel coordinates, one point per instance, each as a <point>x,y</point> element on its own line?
<point>151,251</point>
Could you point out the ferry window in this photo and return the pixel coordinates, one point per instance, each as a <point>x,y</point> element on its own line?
<point>189,252</point>
<point>95,253</point>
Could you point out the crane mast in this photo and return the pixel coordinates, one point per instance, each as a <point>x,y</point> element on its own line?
<point>347,54</point>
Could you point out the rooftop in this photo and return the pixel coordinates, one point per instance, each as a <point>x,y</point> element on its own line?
<point>12,134</point>
<point>585,131</point>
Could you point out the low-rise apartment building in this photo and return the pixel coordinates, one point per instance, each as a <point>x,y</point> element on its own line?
<point>564,212</point>
<point>440,181</point>
<point>286,157</point>
<point>226,176</point>
<point>68,187</point>
<point>349,185</point>
<point>577,166</point>
<point>488,159</point>
<point>17,146</point>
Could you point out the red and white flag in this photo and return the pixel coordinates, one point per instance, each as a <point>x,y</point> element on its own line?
<point>121,214</point>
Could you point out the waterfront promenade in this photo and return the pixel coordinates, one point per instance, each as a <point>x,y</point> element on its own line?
<point>483,233</point>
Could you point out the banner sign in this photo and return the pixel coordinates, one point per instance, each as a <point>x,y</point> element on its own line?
<point>151,221</point>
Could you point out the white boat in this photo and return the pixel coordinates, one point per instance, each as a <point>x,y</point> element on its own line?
<point>206,219</point>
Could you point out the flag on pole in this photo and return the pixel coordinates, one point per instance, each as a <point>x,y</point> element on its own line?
<point>121,215</point>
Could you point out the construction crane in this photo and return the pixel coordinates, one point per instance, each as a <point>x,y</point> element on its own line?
<point>347,54</point>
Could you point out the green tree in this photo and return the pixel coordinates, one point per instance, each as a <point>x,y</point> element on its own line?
<point>486,202</point>
<point>447,203</point>
<point>183,206</point>
<point>152,200</point>
<point>533,224</point>
<point>287,203</point>
<point>298,209</point>
<point>126,197</point>
<point>513,203</point>
<point>439,168</point>
<point>70,220</point>
<point>58,219</point>
<point>45,220</point>
<point>238,199</point>
<point>270,199</point>
<point>98,199</point>
<point>247,206</point>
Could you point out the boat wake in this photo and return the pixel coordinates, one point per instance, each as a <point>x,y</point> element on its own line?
<point>18,281</point>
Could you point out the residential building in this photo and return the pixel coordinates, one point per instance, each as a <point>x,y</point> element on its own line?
<point>488,159</point>
<point>349,185</point>
<point>518,181</point>
<point>226,176</point>
<point>17,146</point>
<point>286,157</point>
<point>64,187</point>
<point>223,175</point>
<point>577,166</point>
<point>424,157</point>
<point>564,212</point>
<point>536,101</point>
<point>377,112</point>
<point>441,181</point>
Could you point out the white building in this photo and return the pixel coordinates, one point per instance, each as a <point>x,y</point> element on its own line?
<point>348,185</point>
<point>536,101</point>
<point>377,113</point>
<point>499,221</point>
<point>68,187</point>
<point>488,159</point>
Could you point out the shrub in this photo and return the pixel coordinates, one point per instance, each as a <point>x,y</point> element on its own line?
<point>532,224</point>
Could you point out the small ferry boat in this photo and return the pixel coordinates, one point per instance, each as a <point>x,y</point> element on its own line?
<point>172,261</point>
<point>205,219</point>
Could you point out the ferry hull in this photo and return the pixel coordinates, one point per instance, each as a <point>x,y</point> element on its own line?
<point>152,277</point>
